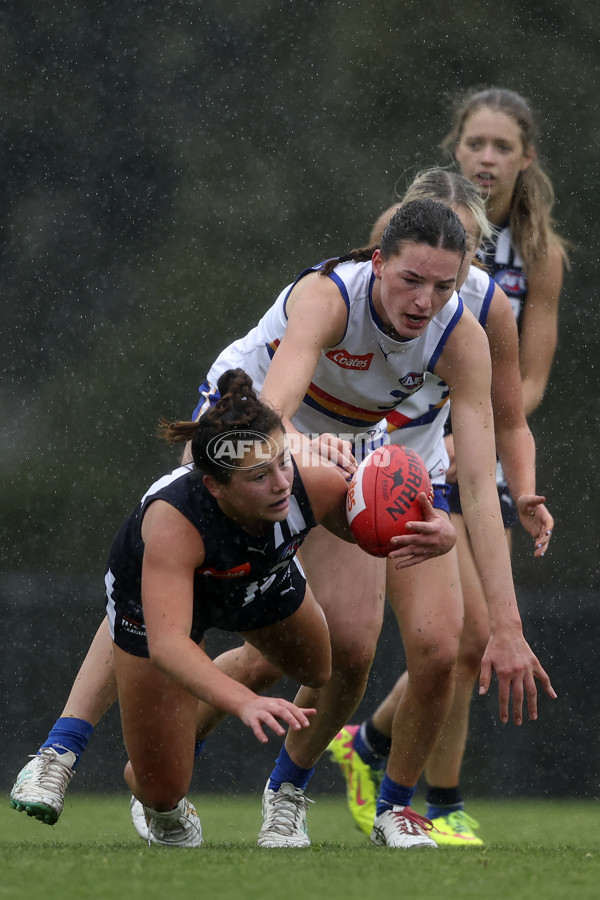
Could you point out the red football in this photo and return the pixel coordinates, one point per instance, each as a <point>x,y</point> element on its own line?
<point>382,496</point>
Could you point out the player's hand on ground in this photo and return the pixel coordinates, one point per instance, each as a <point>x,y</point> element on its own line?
<point>335,450</point>
<point>517,667</point>
<point>268,711</point>
<point>434,536</point>
<point>536,519</point>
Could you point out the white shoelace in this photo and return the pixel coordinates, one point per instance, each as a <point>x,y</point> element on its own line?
<point>55,773</point>
<point>285,812</point>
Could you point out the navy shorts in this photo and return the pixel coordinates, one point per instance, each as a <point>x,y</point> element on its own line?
<point>275,603</point>
<point>508,507</point>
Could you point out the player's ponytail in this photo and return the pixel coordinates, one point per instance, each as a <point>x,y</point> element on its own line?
<point>360,254</point>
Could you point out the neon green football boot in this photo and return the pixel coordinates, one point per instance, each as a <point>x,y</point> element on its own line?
<point>362,781</point>
<point>457,829</point>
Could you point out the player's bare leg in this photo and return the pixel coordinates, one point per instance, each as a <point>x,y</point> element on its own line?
<point>445,761</point>
<point>352,598</point>
<point>95,688</point>
<point>349,585</point>
<point>431,620</point>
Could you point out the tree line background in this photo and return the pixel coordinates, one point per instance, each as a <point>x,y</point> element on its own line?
<point>166,169</point>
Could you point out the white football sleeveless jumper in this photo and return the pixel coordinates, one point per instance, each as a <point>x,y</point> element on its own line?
<point>420,421</point>
<point>358,381</point>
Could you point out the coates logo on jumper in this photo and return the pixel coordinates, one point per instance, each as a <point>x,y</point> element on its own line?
<point>412,381</point>
<point>349,361</point>
<point>248,449</point>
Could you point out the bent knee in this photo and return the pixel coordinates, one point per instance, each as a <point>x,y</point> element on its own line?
<point>353,662</point>
<point>258,673</point>
<point>162,795</point>
<point>318,678</point>
<point>435,661</point>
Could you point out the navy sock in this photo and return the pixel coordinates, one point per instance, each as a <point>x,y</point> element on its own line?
<point>199,747</point>
<point>443,801</point>
<point>69,733</point>
<point>372,746</point>
<point>287,770</point>
<point>380,743</point>
<point>393,794</point>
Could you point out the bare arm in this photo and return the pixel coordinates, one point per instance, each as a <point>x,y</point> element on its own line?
<point>514,442</point>
<point>173,551</point>
<point>539,328</point>
<point>317,318</point>
<point>326,485</point>
<point>465,366</point>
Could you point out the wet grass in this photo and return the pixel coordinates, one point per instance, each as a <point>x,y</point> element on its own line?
<point>535,850</point>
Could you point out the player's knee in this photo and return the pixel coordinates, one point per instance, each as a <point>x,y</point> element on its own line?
<point>471,651</point>
<point>351,666</point>
<point>161,794</point>
<point>318,676</point>
<point>354,661</point>
<point>435,669</point>
<point>166,795</point>
<point>260,674</point>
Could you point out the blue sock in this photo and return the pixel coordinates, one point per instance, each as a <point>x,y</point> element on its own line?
<point>199,747</point>
<point>287,770</point>
<point>69,733</point>
<point>393,794</point>
<point>363,745</point>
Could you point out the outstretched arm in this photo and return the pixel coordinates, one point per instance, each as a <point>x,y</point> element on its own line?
<point>514,442</point>
<point>173,551</point>
<point>466,367</point>
<point>317,318</point>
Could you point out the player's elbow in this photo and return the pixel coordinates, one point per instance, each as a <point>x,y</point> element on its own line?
<point>161,655</point>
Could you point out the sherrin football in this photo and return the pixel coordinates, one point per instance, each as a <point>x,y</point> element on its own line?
<point>382,496</point>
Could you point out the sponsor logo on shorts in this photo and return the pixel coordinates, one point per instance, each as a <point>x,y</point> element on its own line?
<point>133,627</point>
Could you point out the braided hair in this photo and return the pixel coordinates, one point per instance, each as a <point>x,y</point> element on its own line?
<point>239,414</point>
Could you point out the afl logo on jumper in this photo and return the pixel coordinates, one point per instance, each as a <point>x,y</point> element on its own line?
<point>347,361</point>
<point>412,381</point>
<point>512,281</point>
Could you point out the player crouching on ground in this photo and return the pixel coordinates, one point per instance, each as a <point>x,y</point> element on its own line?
<point>214,544</point>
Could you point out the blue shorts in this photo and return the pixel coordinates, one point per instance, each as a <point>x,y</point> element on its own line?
<point>508,507</point>
<point>441,496</point>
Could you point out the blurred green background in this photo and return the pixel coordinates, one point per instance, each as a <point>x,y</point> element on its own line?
<point>166,169</point>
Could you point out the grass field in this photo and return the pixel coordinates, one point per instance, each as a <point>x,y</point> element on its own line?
<point>536,850</point>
